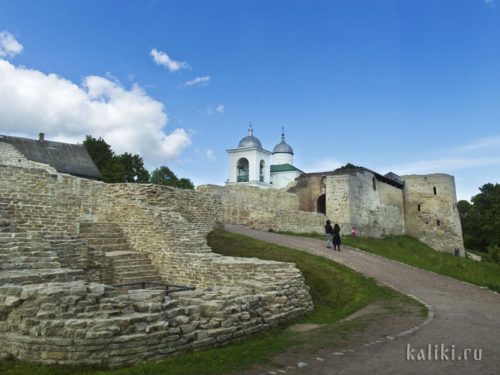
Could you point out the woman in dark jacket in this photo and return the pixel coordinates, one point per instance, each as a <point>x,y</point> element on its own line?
<point>328,233</point>
<point>336,237</point>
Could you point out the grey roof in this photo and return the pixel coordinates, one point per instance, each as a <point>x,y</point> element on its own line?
<point>250,141</point>
<point>63,157</point>
<point>283,148</point>
<point>393,176</point>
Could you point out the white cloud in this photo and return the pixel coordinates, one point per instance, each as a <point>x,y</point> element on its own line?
<point>128,119</point>
<point>161,58</point>
<point>444,165</point>
<point>323,165</point>
<point>210,154</point>
<point>489,2</point>
<point>9,46</point>
<point>220,108</point>
<point>198,81</point>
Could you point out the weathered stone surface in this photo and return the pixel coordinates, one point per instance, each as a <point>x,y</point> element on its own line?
<point>55,306</point>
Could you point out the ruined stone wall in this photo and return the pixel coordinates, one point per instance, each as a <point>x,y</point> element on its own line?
<point>433,218</point>
<point>83,322</point>
<point>265,209</point>
<point>308,188</point>
<point>351,200</point>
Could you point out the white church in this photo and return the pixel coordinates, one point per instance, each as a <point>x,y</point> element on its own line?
<point>250,164</point>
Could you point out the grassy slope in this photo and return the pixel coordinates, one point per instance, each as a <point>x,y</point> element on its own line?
<point>408,250</point>
<point>336,290</point>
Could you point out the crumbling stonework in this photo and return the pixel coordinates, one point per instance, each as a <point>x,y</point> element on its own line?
<point>57,302</point>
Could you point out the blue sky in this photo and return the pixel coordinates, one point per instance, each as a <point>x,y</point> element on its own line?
<point>393,85</point>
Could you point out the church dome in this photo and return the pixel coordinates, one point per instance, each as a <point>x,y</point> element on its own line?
<point>283,147</point>
<point>250,140</point>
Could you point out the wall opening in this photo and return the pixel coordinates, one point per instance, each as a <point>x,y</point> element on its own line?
<point>242,170</point>
<point>374,183</point>
<point>418,208</point>
<point>321,204</point>
<point>438,223</point>
<point>261,170</point>
<point>435,190</point>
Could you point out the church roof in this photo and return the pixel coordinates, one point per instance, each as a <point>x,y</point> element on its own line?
<point>250,140</point>
<point>63,157</point>
<point>283,168</point>
<point>282,147</point>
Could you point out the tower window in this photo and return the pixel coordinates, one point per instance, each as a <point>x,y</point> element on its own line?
<point>374,183</point>
<point>435,190</point>
<point>418,208</point>
<point>438,223</point>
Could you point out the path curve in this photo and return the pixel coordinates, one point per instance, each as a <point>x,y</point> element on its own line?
<point>465,316</point>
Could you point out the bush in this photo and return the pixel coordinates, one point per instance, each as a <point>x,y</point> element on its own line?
<point>494,253</point>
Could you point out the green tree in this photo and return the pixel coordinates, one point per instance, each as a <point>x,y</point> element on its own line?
<point>481,225</point>
<point>133,168</point>
<point>165,176</point>
<point>115,168</point>
<point>99,151</point>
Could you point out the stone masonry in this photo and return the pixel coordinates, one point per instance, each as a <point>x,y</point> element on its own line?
<point>65,241</point>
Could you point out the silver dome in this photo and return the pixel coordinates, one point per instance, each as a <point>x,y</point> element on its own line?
<point>250,140</point>
<point>283,147</point>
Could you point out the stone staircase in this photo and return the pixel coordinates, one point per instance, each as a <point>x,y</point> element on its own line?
<point>27,257</point>
<point>127,265</point>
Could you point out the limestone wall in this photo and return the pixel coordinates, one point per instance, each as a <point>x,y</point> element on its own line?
<point>352,200</point>
<point>431,213</point>
<point>84,322</point>
<point>265,209</point>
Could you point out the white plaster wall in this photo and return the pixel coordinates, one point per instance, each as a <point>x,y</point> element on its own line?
<point>254,156</point>
<point>282,158</point>
<point>282,179</point>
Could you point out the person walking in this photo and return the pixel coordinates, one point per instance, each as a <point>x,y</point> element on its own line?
<point>336,237</point>
<point>329,234</point>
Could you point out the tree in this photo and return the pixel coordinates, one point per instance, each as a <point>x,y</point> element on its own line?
<point>463,207</point>
<point>115,168</point>
<point>99,151</point>
<point>133,168</point>
<point>482,221</point>
<point>164,176</point>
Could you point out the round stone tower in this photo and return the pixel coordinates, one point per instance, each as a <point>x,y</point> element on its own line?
<point>431,214</point>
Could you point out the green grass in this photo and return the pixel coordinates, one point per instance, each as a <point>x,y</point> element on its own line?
<point>408,250</point>
<point>336,291</point>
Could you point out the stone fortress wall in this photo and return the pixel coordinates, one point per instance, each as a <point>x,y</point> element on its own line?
<point>356,198</point>
<point>431,212</point>
<point>60,252</point>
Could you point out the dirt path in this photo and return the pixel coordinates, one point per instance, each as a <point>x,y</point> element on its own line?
<point>465,317</point>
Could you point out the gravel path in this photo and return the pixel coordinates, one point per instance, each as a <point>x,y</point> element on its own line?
<point>465,317</point>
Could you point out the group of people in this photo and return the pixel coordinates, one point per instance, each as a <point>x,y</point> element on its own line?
<point>333,235</point>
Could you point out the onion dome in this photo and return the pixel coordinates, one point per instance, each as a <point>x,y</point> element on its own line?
<point>250,140</point>
<point>283,147</point>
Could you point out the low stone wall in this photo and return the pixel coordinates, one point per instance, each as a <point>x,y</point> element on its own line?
<point>93,324</point>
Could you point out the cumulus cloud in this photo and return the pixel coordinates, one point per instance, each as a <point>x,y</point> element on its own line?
<point>9,46</point>
<point>161,58</point>
<point>220,108</point>
<point>128,119</point>
<point>198,81</point>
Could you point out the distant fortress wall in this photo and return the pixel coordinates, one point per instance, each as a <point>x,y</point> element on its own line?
<point>373,204</point>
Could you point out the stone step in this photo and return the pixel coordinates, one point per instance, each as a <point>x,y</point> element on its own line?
<point>39,276</point>
<point>13,265</point>
<point>133,267</point>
